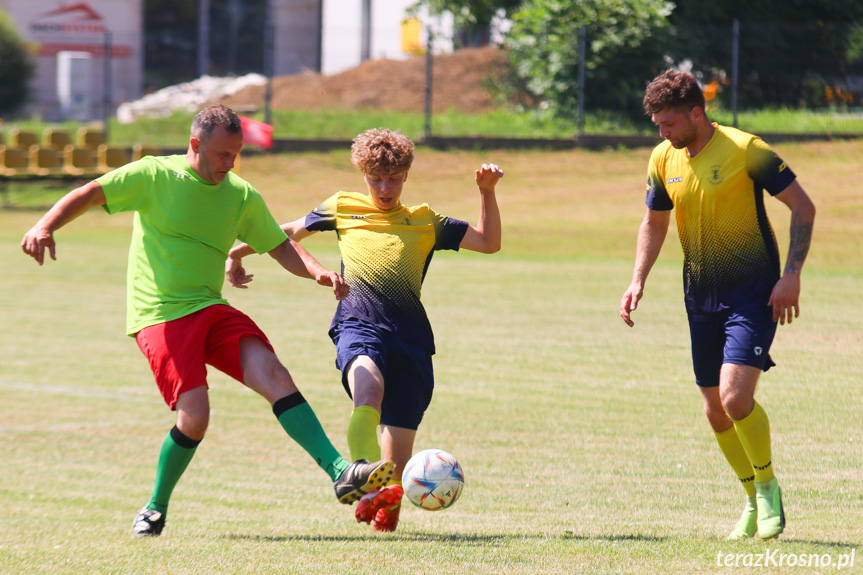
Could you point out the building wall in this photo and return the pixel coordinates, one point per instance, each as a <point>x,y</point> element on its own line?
<point>297,36</point>
<point>53,26</point>
<point>342,32</point>
<point>326,35</point>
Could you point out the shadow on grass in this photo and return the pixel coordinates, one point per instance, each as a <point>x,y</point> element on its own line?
<point>499,539</point>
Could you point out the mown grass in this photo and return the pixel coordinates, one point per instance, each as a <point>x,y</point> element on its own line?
<point>583,442</point>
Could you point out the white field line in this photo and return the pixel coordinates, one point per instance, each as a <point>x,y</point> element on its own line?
<point>37,390</point>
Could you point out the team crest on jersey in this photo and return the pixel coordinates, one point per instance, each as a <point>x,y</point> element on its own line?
<point>715,177</point>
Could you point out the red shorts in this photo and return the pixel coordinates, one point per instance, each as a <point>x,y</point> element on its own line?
<point>179,350</point>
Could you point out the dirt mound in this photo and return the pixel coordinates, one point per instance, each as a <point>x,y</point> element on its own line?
<point>459,80</point>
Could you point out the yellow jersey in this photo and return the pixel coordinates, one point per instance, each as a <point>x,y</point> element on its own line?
<point>730,251</point>
<point>385,256</point>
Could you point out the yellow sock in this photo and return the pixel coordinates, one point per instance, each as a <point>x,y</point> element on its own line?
<point>734,453</point>
<point>754,433</point>
<point>363,433</point>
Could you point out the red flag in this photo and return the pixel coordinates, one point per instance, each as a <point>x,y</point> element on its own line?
<point>256,133</point>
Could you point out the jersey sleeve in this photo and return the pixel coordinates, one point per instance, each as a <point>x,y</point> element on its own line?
<point>657,195</point>
<point>126,188</point>
<point>258,227</point>
<point>449,232</point>
<point>323,218</point>
<point>766,168</point>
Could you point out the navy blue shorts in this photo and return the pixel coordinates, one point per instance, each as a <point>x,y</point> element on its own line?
<point>740,336</point>
<point>407,369</point>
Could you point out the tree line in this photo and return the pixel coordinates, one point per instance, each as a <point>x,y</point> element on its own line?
<point>806,53</point>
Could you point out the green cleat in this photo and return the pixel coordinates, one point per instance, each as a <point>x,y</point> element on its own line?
<point>747,524</point>
<point>771,515</point>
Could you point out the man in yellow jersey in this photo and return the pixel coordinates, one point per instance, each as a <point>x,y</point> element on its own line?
<point>714,178</point>
<point>384,342</point>
<point>189,211</point>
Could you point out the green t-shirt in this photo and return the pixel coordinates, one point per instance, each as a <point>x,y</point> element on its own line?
<point>183,230</point>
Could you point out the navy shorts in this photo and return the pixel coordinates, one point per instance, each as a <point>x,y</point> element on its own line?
<point>741,336</point>
<point>407,369</point>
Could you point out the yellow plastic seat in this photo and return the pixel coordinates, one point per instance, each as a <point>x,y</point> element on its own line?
<point>13,161</point>
<point>56,138</point>
<point>45,161</point>
<point>90,138</point>
<point>112,157</point>
<point>22,139</point>
<point>80,161</point>
<point>141,150</point>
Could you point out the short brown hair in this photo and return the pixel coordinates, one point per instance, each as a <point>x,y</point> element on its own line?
<point>212,116</point>
<point>380,152</point>
<point>672,89</point>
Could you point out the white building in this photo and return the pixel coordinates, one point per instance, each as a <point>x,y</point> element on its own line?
<point>331,36</point>
<point>343,33</point>
<point>71,37</point>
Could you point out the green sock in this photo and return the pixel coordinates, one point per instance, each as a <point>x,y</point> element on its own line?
<point>363,433</point>
<point>301,424</point>
<point>177,451</point>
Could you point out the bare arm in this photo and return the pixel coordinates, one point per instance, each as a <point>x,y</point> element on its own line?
<point>234,271</point>
<point>785,297</point>
<point>67,208</point>
<point>651,236</point>
<point>485,237</point>
<point>299,262</point>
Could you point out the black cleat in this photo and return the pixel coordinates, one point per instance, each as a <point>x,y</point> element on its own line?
<point>361,477</point>
<point>148,523</point>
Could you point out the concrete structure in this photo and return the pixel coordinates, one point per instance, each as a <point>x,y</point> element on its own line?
<point>325,36</point>
<point>331,36</point>
<point>95,27</point>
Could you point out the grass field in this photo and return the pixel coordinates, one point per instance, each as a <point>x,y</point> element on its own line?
<point>582,440</point>
<point>339,124</point>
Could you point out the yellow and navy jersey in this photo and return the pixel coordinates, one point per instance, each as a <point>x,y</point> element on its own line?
<point>385,257</point>
<point>730,251</point>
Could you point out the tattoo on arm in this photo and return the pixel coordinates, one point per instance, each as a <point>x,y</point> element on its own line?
<point>801,237</point>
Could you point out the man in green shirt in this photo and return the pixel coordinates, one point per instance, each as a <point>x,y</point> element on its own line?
<point>189,211</point>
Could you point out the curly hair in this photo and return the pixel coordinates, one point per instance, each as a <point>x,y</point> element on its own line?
<point>672,89</point>
<point>381,152</point>
<point>212,116</point>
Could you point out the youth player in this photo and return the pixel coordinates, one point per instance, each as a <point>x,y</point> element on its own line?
<point>714,177</point>
<point>384,342</point>
<point>189,211</point>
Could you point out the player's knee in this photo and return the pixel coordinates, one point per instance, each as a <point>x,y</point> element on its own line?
<point>193,424</point>
<point>737,405</point>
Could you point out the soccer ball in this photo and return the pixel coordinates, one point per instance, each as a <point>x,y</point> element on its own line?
<point>433,480</point>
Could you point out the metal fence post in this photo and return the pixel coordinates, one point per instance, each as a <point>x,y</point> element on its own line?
<point>106,88</point>
<point>269,34</point>
<point>428,109</point>
<point>203,37</point>
<point>735,51</point>
<point>582,60</point>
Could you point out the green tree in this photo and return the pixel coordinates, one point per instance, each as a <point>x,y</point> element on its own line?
<point>471,18</point>
<point>786,48</point>
<point>16,68</point>
<point>625,48</point>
